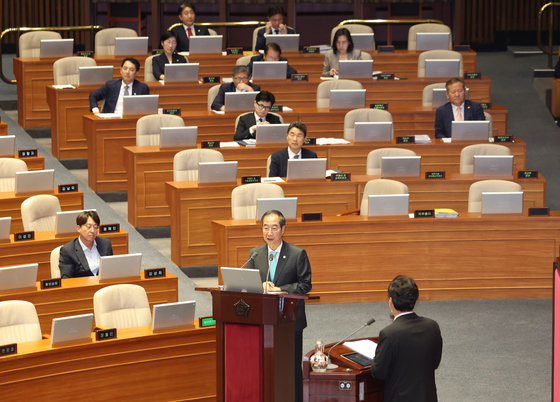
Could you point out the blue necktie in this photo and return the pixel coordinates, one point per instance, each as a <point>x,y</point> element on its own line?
<point>126,93</point>
<point>273,262</point>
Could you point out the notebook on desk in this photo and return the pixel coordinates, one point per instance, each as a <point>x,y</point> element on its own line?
<point>388,204</point>
<point>287,42</point>
<point>347,98</point>
<point>508,202</point>
<point>170,315</point>
<point>35,181</point>
<point>18,277</point>
<point>470,130</point>
<point>355,69</point>
<point>493,165</point>
<point>442,67</point>
<point>306,169</point>
<point>367,131</point>
<point>71,328</point>
<point>241,280</point>
<point>172,137</point>
<point>217,172</point>
<point>7,146</point>
<point>205,44</point>
<point>120,266</point>
<point>140,104</point>
<point>286,205</point>
<point>94,75</point>
<point>432,40</point>
<point>56,47</point>
<point>269,70</point>
<point>131,46</point>
<point>400,166</point>
<point>181,72</point>
<point>271,133</point>
<point>363,41</point>
<point>5,225</point>
<point>240,101</point>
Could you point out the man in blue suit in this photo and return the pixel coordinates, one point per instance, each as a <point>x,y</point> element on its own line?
<point>274,26</point>
<point>457,108</point>
<point>114,91</point>
<point>240,84</point>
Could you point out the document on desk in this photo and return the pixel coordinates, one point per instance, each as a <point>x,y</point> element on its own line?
<point>331,141</point>
<point>109,115</point>
<point>364,347</point>
<point>229,144</point>
<point>65,86</point>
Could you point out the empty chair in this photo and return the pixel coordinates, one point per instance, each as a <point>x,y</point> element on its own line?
<point>30,42</point>
<point>363,115</point>
<point>438,54</point>
<point>353,28</point>
<point>381,186</point>
<point>105,40</point>
<point>185,163</point>
<point>121,306</point>
<point>426,28</point>
<point>8,169</point>
<point>466,163</point>
<point>55,256</point>
<point>244,198</point>
<point>212,93</point>
<point>18,322</point>
<point>38,212</point>
<point>324,90</point>
<point>373,166</point>
<point>66,71</point>
<point>243,114</point>
<point>243,60</point>
<point>148,128</point>
<point>476,189</point>
<point>428,93</point>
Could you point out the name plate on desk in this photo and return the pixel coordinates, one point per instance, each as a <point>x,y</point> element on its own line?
<point>435,175</point>
<point>211,79</point>
<point>528,174</point>
<point>24,236</point>
<point>406,139</point>
<point>340,176</point>
<point>234,50</point>
<point>503,138</point>
<point>10,349</point>
<point>210,144</point>
<point>312,216</point>
<point>104,334</point>
<point>386,49</point>
<point>539,211</point>
<point>310,141</point>
<point>250,179</point>
<point>206,322</point>
<point>154,273</point>
<point>276,108</point>
<point>175,111</point>
<point>379,106</point>
<point>68,188</point>
<point>110,228</point>
<point>310,49</point>
<point>473,76</point>
<point>27,153</point>
<point>300,77</point>
<point>386,77</point>
<point>424,213</point>
<point>50,283</point>
<point>86,53</point>
<point>462,48</point>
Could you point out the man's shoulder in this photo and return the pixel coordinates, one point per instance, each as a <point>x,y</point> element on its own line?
<point>258,57</point>
<point>474,105</point>
<point>307,153</point>
<point>261,31</point>
<point>280,153</point>
<point>292,248</point>
<point>444,108</point>
<point>102,240</point>
<point>258,249</point>
<point>227,86</point>
<point>70,245</point>
<point>247,116</point>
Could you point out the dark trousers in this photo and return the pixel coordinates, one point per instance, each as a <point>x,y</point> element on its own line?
<point>298,383</point>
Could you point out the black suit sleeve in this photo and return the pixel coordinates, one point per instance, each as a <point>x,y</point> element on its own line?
<point>98,95</point>
<point>382,362</point>
<point>440,123</point>
<point>260,44</point>
<point>220,98</point>
<point>66,264</point>
<point>303,284</point>
<point>275,166</point>
<point>158,67</point>
<point>478,112</point>
<point>290,71</point>
<point>242,130</point>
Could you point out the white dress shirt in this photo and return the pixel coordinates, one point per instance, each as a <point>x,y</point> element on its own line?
<point>119,105</point>
<point>291,154</point>
<point>92,256</point>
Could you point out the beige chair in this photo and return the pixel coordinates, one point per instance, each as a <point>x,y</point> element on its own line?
<point>212,93</point>
<point>363,115</point>
<point>243,114</point>
<point>255,31</point>
<point>428,93</point>
<point>324,90</point>
<point>66,71</point>
<point>353,28</point>
<point>30,42</point>
<point>381,186</point>
<point>374,158</point>
<point>185,163</point>
<point>484,186</point>
<point>55,257</point>
<point>268,165</point>
<point>466,161</point>
<point>148,70</point>
<point>427,28</point>
<point>148,128</point>
<point>244,198</point>
<point>366,56</point>
<point>243,60</point>
<point>38,212</point>
<point>105,40</point>
<point>488,117</point>
<point>438,54</point>
<point>8,169</point>
<point>212,32</point>
<point>18,322</point>
<point>121,306</point>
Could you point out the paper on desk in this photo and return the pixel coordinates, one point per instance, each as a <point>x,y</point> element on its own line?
<point>219,111</point>
<point>364,347</point>
<point>65,86</point>
<point>287,109</point>
<point>227,144</point>
<point>272,180</point>
<point>446,140</point>
<point>331,141</point>
<point>422,139</point>
<point>109,115</point>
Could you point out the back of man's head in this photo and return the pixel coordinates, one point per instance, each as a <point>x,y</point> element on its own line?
<point>240,69</point>
<point>265,96</point>
<point>274,47</point>
<point>454,80</point>
<point>403,292</point>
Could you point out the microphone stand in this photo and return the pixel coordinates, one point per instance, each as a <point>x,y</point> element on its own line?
<point>332,366</point>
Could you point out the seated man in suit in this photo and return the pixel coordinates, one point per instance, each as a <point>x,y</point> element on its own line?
<point>297,131</point>
<point>456,109</point>
<point>240,84</point>
<point>187,15</point>
<point>114,90</point>
<point>274,26</point>
<point>247,125</point>
<point>284,267</point>
<point>272,52</point>
<point>409,350</point>
<point>80,257</point>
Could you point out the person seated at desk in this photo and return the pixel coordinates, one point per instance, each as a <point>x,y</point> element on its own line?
<point>114,90</point>
<point>342,49</point>
<point>240,84</point>
<point>274,26</point>
<point>297,131</point>
<point>457,108</point>
<point>169,55</point>
<point>187,15</point>
<point>247,125</point>
<point>80,257</point>
<point>272,52</point>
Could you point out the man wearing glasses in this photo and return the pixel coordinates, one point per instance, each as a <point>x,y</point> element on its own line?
<point>80,257</point>
<point>297,131</point>
<point>247,125</point>
<point>240,84</point>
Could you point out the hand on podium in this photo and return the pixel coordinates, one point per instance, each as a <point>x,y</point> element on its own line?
<point>269,287</point>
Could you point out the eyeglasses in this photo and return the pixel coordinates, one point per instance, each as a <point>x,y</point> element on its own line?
<point>261,106</point>
<point>241,78</point>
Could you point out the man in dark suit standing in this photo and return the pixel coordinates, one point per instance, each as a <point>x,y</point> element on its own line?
<point>409,350</point>
<point>240,84</point>
<point>247,125</point>
<point>274,26</point>
<point>457,108</point>
<point>80,257</point>
<point>272,52</point>
<point>288,270</point>
<point>113,91</point>
<point>187,15</point>
<point>297,132</point>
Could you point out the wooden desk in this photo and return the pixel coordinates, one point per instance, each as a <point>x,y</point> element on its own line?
<point>39,250</point>
<point>33,163</point>
<point>149,167</point>
<point>3,128</point>
<point>469,257</point>
<point>75,296</point>
<point>138,365</point>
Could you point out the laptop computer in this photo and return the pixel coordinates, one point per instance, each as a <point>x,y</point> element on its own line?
<point>241,280</point>
<point>442,67</point>
<point>439,97</point>
<point>131,46</point>
<point>493,165</point>
<point>269,70</point>
<point>240,101</point>
<point>170,315</point>
<point>347,98</point>
<point>35,181</point>
<point>507,202</point>
<point>355,68</point>
<point>56,47</point>
<point>140,104</point>
<point>470,130</point>
<point>18,277</point>
<point>388,204</point>
<point>66,221</point>
<point>363,41</point>
<point>7,145</point>
<point>217,172</point>
<point>367,131</point>
<point>286,205</point>
<point>306,169</point>
<point>172,137</point>
<point>287,42</point>
<point>400,166</point>
<point>95,75</point>
<point>271,133</point>
<point>432,40</point>
<point>72,328</point>
<point>181,72</point>
<point>5,225</point>
<point>120,266</point>
<point>205,44</point>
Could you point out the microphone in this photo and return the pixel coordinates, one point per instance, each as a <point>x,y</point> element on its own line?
<point>332,366</point>
<point>250,258</point>
<point>270,258</point>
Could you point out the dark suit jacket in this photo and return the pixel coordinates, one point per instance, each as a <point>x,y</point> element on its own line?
<point>408,353</point>
<point>260,57</point>
<point>183,39</point>
<point>279,161</point>
<point>159,62</point>
<point>260,44</point>
<point>246,121</point>
<point>444,117</point>
<point>220,99</point>
<point>73,262</point>
<point>110,92</point>
<point>293,273</point>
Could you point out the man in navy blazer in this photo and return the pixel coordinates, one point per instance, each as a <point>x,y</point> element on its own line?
<point>248,122</point>
<point>456,109</point>
<point>297,132</point>
<point>274,26</point>
<point>187,15</point>
<point>240,84</point>
<point>272,52</point>
<point>113,91</point>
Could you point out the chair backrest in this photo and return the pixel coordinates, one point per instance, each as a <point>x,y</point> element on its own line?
<point>244,198</point>
<point>55,257</point>
<point>8,169</point>
<point>212,93</point>
<point>268,165</point>
<point>363,114</point>
<point>243,60</point>
<point>149,70</point>
<point>466,161</point>
<point>185,163</point>
<point>476,189</point>
<point>428,93</point>
<point>148,128</point>
<point>66,71</point>
<point>105,39</point>
<point>438,54</point>
<point>30,42</point>
<point>38,213</point>
<point>212,32</point>
<point>366,56</point>
<point>18,322</point>
<point>243,114</point>
<point>381,186</point>
<point>427,28</point>
<point>324,90</point>
<point>374,158</point>
<point>488,117</point>
<point>121,306</point>
<point>353,28</point>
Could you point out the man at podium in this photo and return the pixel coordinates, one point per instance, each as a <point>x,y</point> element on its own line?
<point>284,267</point>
